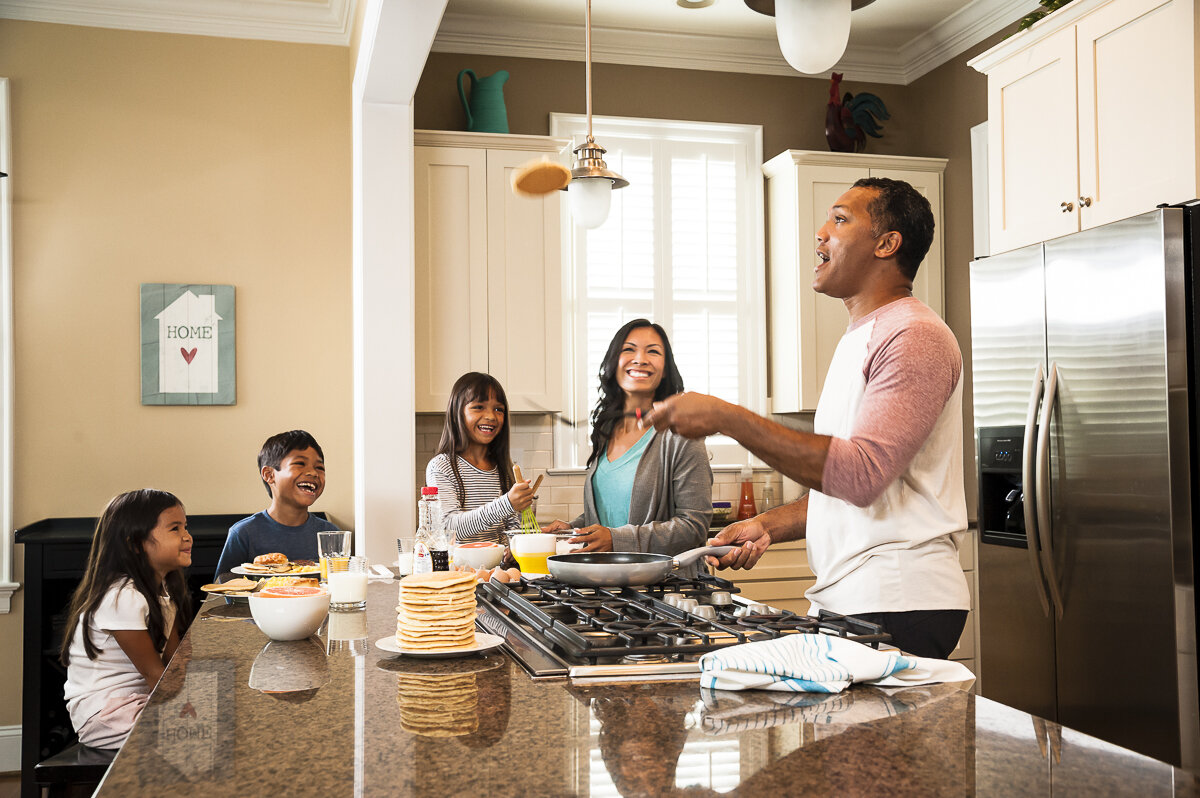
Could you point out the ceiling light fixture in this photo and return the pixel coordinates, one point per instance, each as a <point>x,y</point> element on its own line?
<point>592,182</point>
<point>812,33</point>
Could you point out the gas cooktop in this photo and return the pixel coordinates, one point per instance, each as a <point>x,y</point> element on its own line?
<point>659,631</point>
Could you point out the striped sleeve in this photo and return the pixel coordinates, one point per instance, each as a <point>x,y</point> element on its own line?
<point>484,512</point>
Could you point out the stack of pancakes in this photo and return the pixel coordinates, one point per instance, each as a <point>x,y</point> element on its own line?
<point>436,612</point>
<point>438,705</point>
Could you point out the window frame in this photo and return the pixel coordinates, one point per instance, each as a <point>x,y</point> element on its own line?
<point>571,446</point>
<point>7,534</point>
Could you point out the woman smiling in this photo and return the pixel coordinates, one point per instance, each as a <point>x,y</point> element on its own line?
<point>645,490</point>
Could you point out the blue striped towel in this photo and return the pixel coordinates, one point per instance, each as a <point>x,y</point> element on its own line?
<point>816,663</point>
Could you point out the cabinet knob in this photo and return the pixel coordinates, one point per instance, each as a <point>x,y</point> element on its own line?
<point>1067,207</point>
<point>1085,202</point>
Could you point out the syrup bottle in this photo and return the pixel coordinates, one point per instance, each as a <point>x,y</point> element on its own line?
<point>746,508</point>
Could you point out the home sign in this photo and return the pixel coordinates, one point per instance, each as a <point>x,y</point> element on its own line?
<point>188,344</point>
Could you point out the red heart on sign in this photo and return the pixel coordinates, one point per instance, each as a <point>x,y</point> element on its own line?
<point>186,354</point>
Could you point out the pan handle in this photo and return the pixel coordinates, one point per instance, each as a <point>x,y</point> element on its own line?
<point>691,555</point>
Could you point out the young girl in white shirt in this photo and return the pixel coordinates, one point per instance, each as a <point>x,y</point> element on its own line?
<point>126,615</point>
<point>477,494</point>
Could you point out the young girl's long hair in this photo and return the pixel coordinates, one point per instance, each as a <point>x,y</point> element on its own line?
<point>610,407</point>
<point>118,553</point>
<point>474,387</point>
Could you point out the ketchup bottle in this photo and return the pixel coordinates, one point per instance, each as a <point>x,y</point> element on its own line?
<point>746,508</point>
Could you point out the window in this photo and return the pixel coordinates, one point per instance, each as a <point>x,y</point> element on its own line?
<point>682,246</point>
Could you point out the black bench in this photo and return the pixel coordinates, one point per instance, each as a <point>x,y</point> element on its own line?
<point>76,770</point>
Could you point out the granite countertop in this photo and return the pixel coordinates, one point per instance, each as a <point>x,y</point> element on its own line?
<point>237,714</point>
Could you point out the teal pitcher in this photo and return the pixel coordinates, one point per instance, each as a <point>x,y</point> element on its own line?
<point>485,112</point>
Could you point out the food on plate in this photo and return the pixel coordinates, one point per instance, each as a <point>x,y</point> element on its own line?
<point>286,581</point>
<point>438,705</point>
<point>274,558</point>
<point>285,567</point>
<point>289,591</point>
<point>436,611</point>
<point>239,585</point>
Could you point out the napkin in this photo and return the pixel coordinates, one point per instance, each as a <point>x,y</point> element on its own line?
<point>817,663</point>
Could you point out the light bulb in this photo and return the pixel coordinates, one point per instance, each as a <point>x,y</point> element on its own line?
<point>590,198</point>
<point>812,33</point>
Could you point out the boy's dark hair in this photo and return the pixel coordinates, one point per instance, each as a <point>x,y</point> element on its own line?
<point>118,553</point>
<point>900,207</point>
<point>474,386</point>
<point>277,447</point>
<point>610,407</point>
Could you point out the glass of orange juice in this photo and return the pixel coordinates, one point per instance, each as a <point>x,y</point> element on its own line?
<point>531,550</point>
<point>334,551</point>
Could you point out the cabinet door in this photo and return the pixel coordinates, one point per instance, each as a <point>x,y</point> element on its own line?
<point>524,289</point>
<point>927,286</point>
<point>1032,148</point>
<point>1137,108</point>
<point>451,303</point>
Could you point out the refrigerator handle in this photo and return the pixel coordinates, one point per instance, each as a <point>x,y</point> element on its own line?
<point>1042,488</point>
<point>1028,488</point>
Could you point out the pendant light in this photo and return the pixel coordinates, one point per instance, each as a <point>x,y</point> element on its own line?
<point>812,33</point>
<point>592,182</point>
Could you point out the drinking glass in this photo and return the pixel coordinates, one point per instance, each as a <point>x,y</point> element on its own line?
<point>333,546</point>
<point>404,551</point>
<point>348,587</point>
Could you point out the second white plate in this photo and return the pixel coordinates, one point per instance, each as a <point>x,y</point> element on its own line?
<point>483,642</point>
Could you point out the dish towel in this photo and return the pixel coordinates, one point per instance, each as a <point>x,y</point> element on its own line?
<point>816,663</point>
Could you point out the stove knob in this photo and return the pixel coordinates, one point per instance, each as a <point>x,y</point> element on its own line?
<point>672,598</point>
<point>706,612</point>
<point>687,604</point>
<point>720,598</point>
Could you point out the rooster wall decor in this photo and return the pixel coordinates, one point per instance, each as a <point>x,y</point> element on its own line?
<point>851,119</point>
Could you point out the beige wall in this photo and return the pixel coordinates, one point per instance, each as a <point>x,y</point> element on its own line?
<point>791,110</point>
<point>143,157</point>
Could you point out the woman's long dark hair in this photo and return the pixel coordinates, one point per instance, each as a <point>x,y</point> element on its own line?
<point>610,407</point>
<point>474,387</point>
<point>119,553</point>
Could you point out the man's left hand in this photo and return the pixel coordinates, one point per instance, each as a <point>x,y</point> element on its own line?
<point>595,538</point>
<point>692,415</point>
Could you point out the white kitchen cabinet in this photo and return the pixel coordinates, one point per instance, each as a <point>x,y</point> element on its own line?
<point>1091,118</point>
<point>488,277</point>
<point>806,326</point>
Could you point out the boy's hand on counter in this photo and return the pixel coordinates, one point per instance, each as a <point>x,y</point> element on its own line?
<point>595,538</point>
<point>557,526</point>
<point>520,495</point>
<point>751,538</point>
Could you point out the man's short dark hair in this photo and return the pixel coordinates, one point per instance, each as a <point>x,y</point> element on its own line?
<point>900,207</point>
<point>277,447</point>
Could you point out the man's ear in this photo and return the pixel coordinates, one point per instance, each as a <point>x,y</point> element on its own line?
<point>888,244</point>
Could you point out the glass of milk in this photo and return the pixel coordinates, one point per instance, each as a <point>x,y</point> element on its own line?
<point>348,588</point>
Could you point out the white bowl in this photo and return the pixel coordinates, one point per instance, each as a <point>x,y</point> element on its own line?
<point>478,556</point>
<point>289,617</point>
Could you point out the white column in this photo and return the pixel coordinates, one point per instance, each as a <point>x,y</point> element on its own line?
<point>396,38</point>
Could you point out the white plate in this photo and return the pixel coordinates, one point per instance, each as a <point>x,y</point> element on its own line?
<point>240,571</point>
<point>483,642</point>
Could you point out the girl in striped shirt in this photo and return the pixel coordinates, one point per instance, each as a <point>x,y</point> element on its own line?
<point>476,491</point>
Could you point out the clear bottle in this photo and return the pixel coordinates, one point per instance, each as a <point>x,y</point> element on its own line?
<point>746,508</point>
<point>768,497</point>
<point>423,540</point>
<point>439,540</point>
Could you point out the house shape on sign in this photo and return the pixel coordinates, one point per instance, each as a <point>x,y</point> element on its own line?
<point>188,334</point>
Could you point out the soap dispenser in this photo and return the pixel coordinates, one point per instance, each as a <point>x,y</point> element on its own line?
<point>746,508</point>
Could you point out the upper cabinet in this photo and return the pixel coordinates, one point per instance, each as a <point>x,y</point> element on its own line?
<point>488,276</point>
<point>806,326</point>
<point>1091,118</point>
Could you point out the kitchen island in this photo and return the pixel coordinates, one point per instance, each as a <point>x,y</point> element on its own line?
<point>237,714</point>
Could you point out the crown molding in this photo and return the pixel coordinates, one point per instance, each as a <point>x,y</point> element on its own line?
<point>316,22</point>
<point>483,35</point>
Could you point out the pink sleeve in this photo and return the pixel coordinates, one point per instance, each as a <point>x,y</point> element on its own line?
<point>910,374</point>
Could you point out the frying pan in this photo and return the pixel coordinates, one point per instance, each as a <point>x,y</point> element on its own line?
<point>623,568</point>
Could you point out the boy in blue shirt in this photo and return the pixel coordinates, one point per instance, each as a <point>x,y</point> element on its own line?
<point>292,467</point>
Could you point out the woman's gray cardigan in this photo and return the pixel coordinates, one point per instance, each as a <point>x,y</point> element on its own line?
<point>671,505</point>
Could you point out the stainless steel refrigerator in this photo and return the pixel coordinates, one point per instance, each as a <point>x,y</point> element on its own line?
<point>1085,420</point>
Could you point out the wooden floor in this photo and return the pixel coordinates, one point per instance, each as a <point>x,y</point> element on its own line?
<point>10,785</point>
